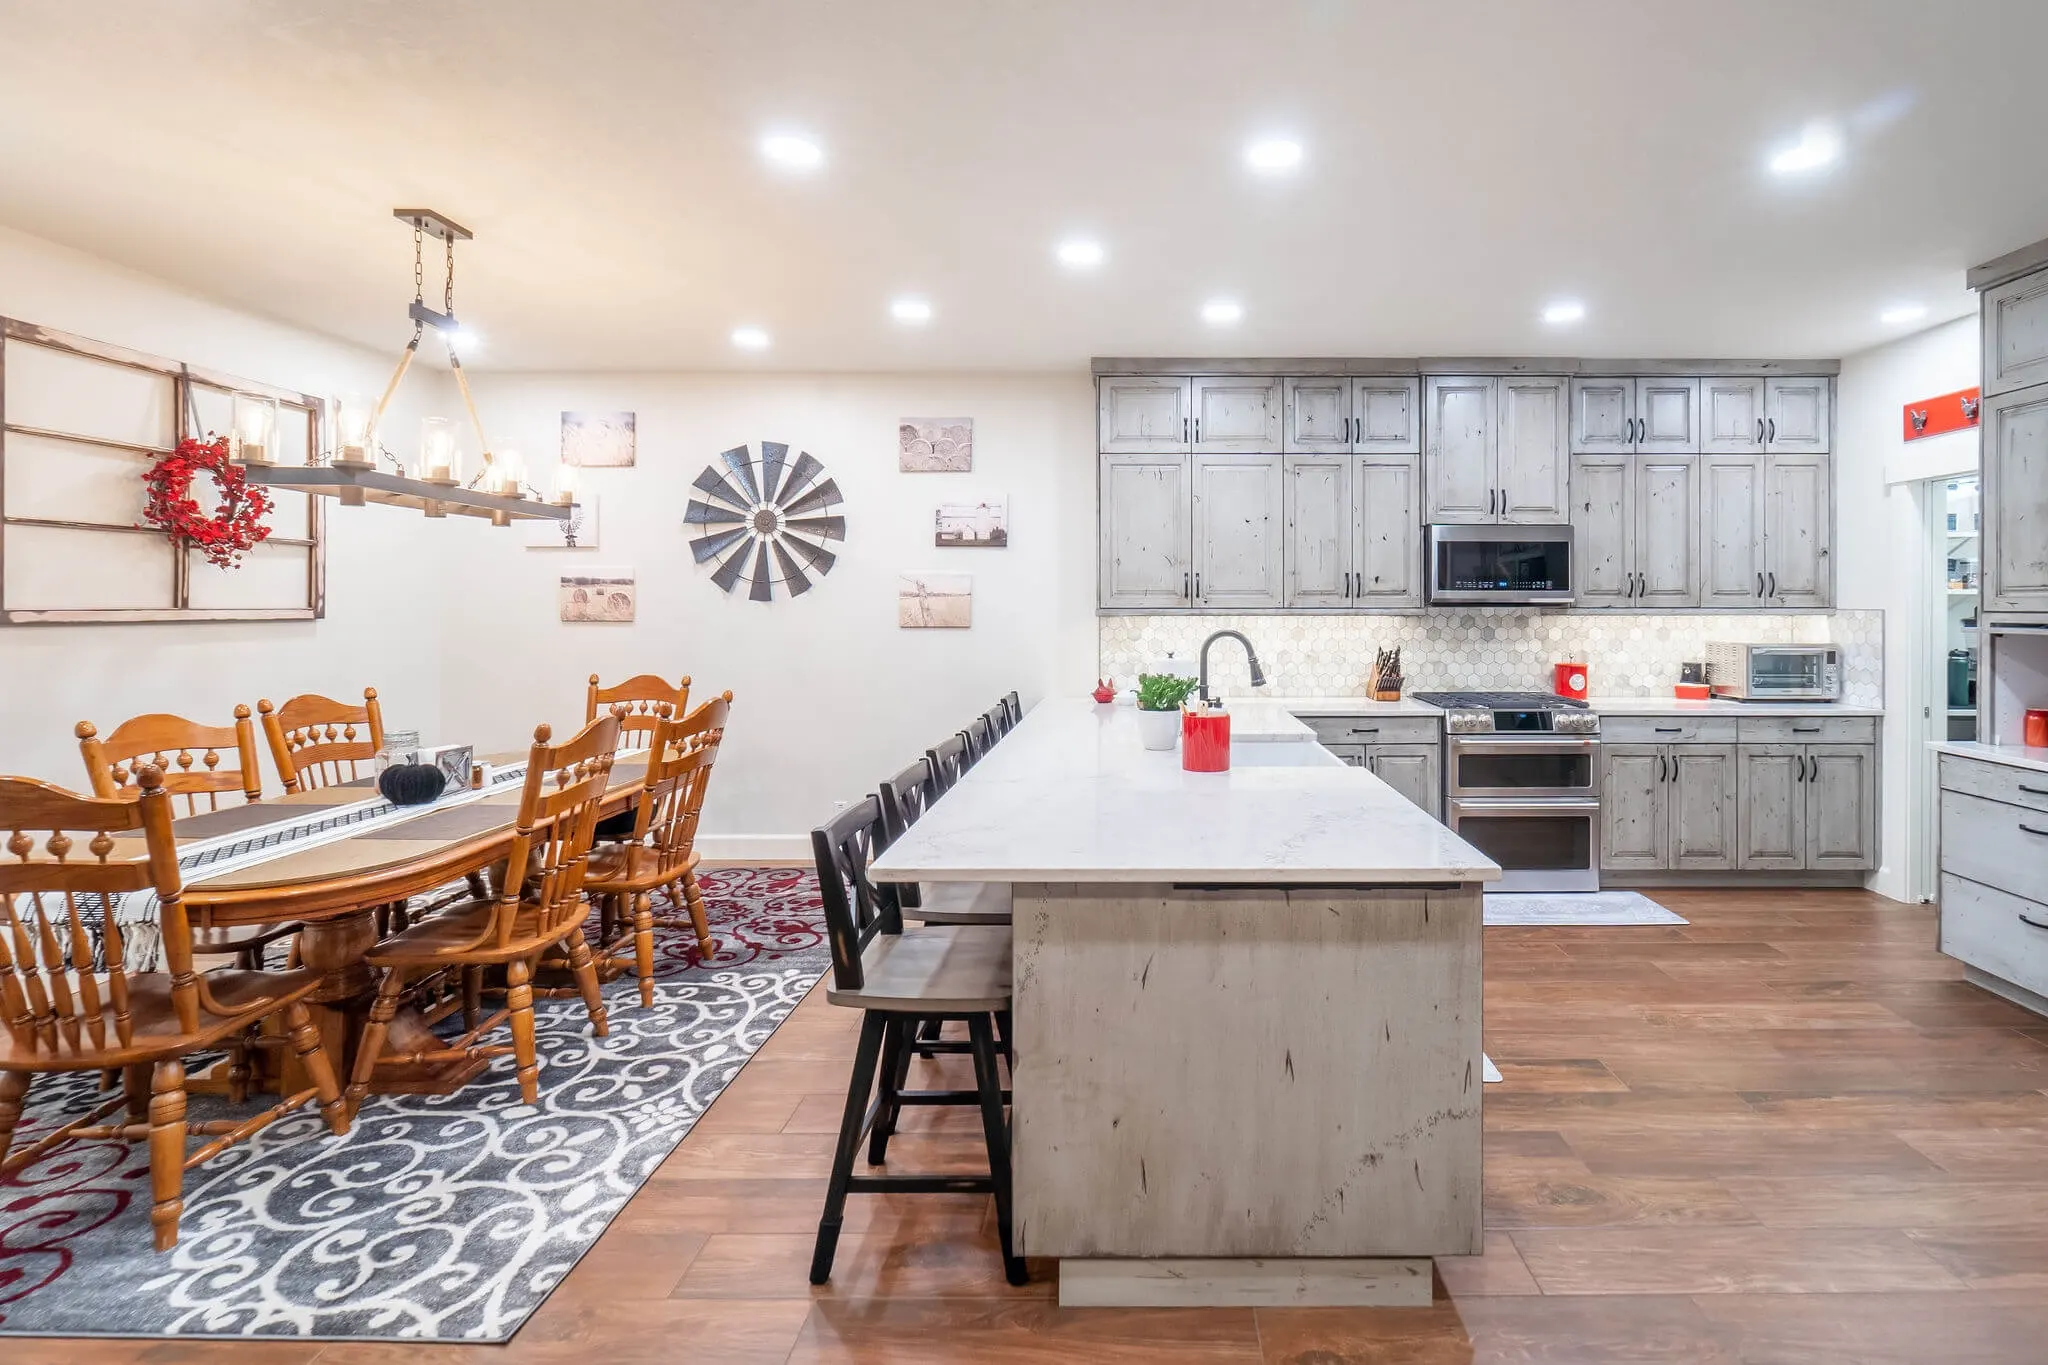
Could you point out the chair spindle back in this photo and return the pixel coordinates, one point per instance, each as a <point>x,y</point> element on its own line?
<point>950,762</point>
<point>188,756</point>
<point>558,808</point>
<point>678,776</point>
<point>904,798</point>
<point>641,703</point>
<point>316,741</point>
<point>856,907</point>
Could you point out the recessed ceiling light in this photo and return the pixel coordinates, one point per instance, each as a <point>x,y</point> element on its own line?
<point>1564,311</point>
<point>750,338</point>
<point>1221,312</point>
<point>910,310</point>
<point>793,150</point>
<point>1902,312</point>
<point>1269,156</point>
<point>1817,146</point>
<point>1080,253</point>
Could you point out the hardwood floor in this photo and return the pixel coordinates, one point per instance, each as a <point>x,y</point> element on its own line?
<point>1786,1132</point>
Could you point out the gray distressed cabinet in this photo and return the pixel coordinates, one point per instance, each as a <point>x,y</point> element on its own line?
<point>1236,416</point>
<point>1636,535</point>
<point>1340,413</point>
<point>1994,873</point>
<point>1651,415</point>
<point>1351,531</point>
<point>1238,532</point>
<point>2014,446</point>
<point>1808,807</point>
<point>1405,752</point>
<point>1496,449</point>
<point>1145,542</point>
<point>1668,807</point>
<point>1143,415</point>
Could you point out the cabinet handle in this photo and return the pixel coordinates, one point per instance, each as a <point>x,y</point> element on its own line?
<point>1347,431</point>
<point>1770,428</point>
<point>1184,430</point>
<point>1660,767</point>
<point>1759,431</point>
<point>2033,923</point>
<point>1674,768</point>
<point>1671,729</point>
<point>1774,584</point>
<point>2031,830</point>
<point>1759,585</point>
<point>1806,729</point>
<point>1198,431</point>
<point>2032,791</point>
<point>1184,590</point>
<point>1369,730</point>
<point>1198,583</point>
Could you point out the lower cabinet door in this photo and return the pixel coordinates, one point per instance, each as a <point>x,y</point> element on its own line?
<point>1703,807</point>
<point>1634,807</point>
<point>1353,754</point>
<point>1414,770</point>
<point>1771,793</point>
<point>1841,807</point>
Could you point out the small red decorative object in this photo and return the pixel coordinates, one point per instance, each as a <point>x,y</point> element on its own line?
<point>235,527</point>
<point>1205,741</point>
<point>1958,411</point>
<point>1105,690</point>
<point>2034,730</point>
<point>1569,680</point>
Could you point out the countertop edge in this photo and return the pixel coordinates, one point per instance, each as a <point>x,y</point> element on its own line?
<point>2005,755</point>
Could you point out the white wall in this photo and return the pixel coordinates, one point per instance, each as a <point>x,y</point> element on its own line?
<point>380,629</point>
<point>830,695</point>
<point>1880,535</point>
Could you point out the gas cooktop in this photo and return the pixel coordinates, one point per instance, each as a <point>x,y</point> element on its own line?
<point>1500,701</point>
<point>1512,713</point>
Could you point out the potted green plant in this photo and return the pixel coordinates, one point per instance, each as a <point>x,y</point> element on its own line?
<point>1159,701</point>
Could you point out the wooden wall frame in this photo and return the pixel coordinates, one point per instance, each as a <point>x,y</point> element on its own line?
<point>185,381</point>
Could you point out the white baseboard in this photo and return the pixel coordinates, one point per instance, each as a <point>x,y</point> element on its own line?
<point>755,848</point>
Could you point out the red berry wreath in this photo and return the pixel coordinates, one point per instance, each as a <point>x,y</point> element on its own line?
<point>234,529</point>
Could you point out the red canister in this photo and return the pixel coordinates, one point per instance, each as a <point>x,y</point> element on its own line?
<point>1205,740</point>
<point>2036,733</point>
<point>1569,680</point>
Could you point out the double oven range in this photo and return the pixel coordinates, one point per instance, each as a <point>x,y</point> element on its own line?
<point>1522,785</point>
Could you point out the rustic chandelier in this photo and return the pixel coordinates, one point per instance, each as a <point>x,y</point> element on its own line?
<point>357,468</point>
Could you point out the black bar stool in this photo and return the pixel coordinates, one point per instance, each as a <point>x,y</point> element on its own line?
<point>899,978</point>
<point>904,798</point>
<point>949,762</point>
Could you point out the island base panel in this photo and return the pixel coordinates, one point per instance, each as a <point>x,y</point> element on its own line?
<point>1317,1282</point>
<point>1268,1073</point>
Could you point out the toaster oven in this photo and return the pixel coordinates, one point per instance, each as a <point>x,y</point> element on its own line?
<point>1775,672</point>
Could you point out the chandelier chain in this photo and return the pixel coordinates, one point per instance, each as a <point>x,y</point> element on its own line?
<point>419,275</point>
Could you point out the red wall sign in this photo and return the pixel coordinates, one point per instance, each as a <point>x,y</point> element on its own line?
<point>1938,416</point>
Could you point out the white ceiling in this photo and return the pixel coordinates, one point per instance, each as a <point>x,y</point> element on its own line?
<point>1466,163</point>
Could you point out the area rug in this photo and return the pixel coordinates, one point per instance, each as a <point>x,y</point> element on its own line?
<point>1575,908</point>
<point>437,1218</point>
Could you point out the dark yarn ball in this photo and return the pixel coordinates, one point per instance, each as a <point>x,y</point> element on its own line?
<point>411,784</point>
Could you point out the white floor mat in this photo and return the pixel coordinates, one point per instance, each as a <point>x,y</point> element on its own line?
<point>1575,908</point>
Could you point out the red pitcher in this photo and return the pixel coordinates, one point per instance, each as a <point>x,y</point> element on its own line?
<point>1205,740</point>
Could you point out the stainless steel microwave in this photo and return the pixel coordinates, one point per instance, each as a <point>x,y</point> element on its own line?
<point>1501,566</point>
<point>1775,672</point>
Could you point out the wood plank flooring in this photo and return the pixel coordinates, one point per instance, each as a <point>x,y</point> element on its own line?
<point>1786,1132</point>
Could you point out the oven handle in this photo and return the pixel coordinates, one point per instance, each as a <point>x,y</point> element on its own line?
<point>1487,744</point>
<point>1480,805</point>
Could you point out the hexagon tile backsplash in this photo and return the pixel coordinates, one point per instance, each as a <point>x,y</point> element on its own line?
<point>1626,655</point>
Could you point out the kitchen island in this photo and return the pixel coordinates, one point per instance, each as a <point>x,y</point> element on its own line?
<point>1247,1012</point>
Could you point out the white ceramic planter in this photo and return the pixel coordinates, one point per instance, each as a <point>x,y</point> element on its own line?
<point>1159,729</point>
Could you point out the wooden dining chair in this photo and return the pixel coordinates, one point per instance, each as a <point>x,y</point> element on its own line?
<point>949,763</point>
<point>189,756</point>
<point>318,742</point>
<point>904,798</point>
<point>641,703</point>
<point>61,882</point>
<point>538,904</point>
<point>900,978</point>
<point>660,854</point>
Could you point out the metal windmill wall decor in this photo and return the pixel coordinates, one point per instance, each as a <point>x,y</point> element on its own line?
<point>766,521</point>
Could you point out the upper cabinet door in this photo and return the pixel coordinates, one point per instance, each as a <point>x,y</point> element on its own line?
<point>1732,531</point>
<point>1603,488</point>
<point>2015,461</point>
<point>1143,416</point>
<point>1387,560</point>
<point>1603,416</point>
<point>1535,468</point>
<point>1238,529</point>
<point>1731,416</point>
<point>1667,531</point>
<point>2015,322</point>
<point>1237,416</point>
<point>1668,416</point>
<point>1459,465</point>
<point>1145,531</point>
<point>1796,416</point>
<point>1383,416</point>
<point>1317,554</point>
<point>1798,521</point>
<point>1318,415</point>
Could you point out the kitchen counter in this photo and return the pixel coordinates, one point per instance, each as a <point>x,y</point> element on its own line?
<point>1246,1012</point>
<point>1071,796</point>
<point>1673,706</point>
<point>2011,755</point>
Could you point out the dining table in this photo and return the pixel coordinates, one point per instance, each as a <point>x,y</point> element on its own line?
<point>328,860</point>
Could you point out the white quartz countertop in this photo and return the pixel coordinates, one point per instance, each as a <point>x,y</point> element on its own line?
<point>1613,706</point>
<point>2011,755</point>
<point>1071,796</point>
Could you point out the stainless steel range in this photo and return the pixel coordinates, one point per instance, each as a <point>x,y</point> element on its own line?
<point>1522,785</point>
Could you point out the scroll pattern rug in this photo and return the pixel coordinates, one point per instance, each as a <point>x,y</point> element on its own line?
<point>438,1218</point>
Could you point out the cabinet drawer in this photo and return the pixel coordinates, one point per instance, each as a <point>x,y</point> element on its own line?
<point>1995,781</point>
<point>1373,729</point>
<point>1808,729</point>
<point>2001,846</point>
<point>1990,930</point>
<point>1668,729</point>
